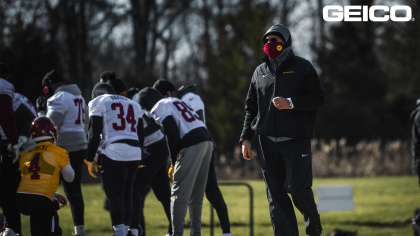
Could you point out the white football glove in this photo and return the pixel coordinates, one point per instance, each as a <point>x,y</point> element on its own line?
<point>21,141</point>
<point>15,148</point>
<point>15,152</point>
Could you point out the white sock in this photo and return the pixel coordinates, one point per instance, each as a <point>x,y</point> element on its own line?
<point>119,230</point>
<point>79,229</point>
<point>135,232</point>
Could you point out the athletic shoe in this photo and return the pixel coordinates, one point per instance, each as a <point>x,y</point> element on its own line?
<point>415,226</point>
<point>228,234</point>
<point>9,232</point>
<point>168,234</point>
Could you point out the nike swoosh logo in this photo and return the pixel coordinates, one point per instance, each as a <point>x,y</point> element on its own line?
<point>102,171</point>
<point>304,155</point>
<point>264,76</point>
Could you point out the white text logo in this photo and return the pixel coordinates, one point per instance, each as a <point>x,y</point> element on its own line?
<point>365,13</point>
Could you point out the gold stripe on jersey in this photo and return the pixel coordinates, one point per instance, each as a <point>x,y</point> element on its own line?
<point>40,168</point>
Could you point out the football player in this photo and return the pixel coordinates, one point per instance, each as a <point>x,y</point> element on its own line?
<point>66,107</point>
<point>8,134</point>
<point>24,115</point>
<point>213,193</point>
<point>154,159</point>
<point>40,168</point>
<point>188,137</point>
<point>156,154</point>
<point>118,120</point>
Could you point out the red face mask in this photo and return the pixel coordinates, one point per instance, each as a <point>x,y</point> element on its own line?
<point>48,91</point>
<point>273,49</point>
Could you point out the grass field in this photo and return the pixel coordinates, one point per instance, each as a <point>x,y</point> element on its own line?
<point>384,206</point>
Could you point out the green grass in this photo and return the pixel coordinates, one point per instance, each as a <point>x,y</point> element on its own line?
<point>384,206</point>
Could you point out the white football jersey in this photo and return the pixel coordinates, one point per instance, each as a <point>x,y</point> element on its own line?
<point>6,88</point>
<point>120,119</point>
<point>135,97</point>
<point>72,107</point>
<point>17,101</point>
<point>184,116</point>
<point>20,99</point>
<point>195,102</point>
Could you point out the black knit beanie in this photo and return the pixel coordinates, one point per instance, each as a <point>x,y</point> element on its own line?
<point>51,78</point>
<point>164,87</point>
<point>118,85</point>
<point>107,75</point>
<point>102,88</point>
<point>148,97</point>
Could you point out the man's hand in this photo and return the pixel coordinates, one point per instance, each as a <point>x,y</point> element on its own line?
<point>281,103</point>
<point>171,172</point>
<point>41,103</point>
<point>62,200</point>
<point>16,152</point>
<point>91,166</point>
<point>15,148</point>
<point>246,150</point>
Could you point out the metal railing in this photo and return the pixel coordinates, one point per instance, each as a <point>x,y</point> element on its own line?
<point>251,207</point>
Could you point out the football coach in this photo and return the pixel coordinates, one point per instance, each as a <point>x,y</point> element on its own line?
<point>281,108</point>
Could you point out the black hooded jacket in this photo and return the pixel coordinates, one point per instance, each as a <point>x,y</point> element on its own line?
<point>415,116</point>
<point>294,78</point>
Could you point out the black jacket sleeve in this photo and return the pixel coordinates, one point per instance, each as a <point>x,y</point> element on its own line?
<point>172,133</point>
<point>140,132</point>
<point>314,92</point>
<point>24,118</point>
<point>94,136</point>
<point>251,111</point>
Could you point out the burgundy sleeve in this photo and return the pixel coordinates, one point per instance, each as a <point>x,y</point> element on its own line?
<point>7,119</point>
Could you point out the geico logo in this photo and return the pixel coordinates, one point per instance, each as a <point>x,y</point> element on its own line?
<point>353,13</point>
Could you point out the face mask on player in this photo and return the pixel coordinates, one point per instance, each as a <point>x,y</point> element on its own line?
<point>48,91</point>
<point>273,49</point>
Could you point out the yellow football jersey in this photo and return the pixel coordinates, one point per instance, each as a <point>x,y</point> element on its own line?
<point>40,168</point>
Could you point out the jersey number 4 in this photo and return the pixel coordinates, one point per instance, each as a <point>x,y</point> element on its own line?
<point>129,118</point>
<point>34,167</point>
<point>81,116</point>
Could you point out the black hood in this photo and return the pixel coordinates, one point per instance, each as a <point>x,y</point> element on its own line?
<point>184,90</point>
<point>148,97</point>
<point>281,31</point>
<point>102,88</point>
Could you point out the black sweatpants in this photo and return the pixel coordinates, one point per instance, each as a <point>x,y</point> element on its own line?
<point>215,197</point>
<point>41,211</point>
<point>73,189</point>
<point>287,168</point>
<point>155,173</point>
<point>118,178</point>
<point>10,178</point>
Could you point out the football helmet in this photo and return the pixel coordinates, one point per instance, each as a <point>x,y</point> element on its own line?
<point>43,129</point>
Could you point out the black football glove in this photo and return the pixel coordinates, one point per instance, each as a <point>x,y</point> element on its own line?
<point>41,103</point>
